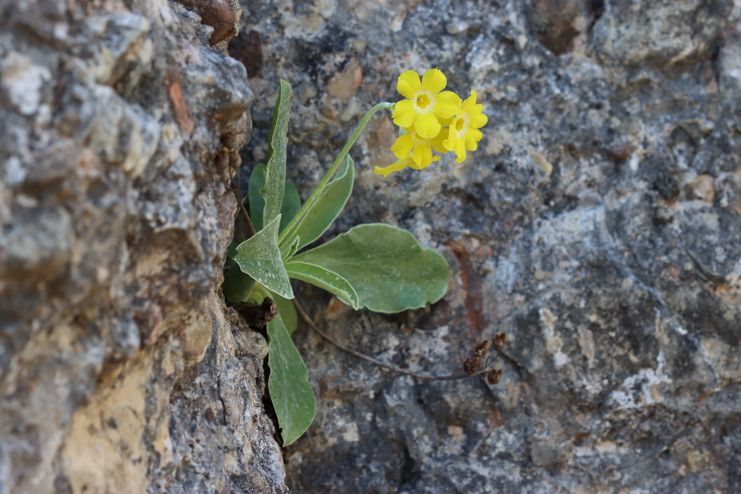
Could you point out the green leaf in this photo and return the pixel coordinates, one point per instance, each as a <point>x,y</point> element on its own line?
<point>288,384</point>
<point>254,196</point>
<point>289,249</point>
<point>387,267</point>
<point>231,251</point>
<point>328,207</point>
<point>275,170</point>
<point>291,204</point>
<point>259,257</point>
<point>286,311</point>
<point>257,295</point>
<point>324,278</point>
<point>291,199</point>
<point>236,284</point>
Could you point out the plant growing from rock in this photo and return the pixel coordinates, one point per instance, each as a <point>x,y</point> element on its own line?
<point>374,266</point>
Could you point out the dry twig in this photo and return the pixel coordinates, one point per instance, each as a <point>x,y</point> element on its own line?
<point>426,377</point>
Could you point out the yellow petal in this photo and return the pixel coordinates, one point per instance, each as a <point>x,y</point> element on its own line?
<point>460,151</point>
<point>447,104</point>
<point>475,134</point>
<point>404,114</point>
<point>426,126</point>
<point>478,120</point>
<point>471,143</point>
<point>422,167</point>
<point>451,142</point>
<point>422,154</point>
<point>408,84</point>
<point>469,104</point>
<point>437,142</point>
<point>434,80</point>
<point>393,168</point>
<point>403,146</point>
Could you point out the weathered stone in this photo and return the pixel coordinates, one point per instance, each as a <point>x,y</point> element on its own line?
<point>663,32</point>
<point>221,15</point>
<point>247,48</point>
<point>584,228</point>
<point>557,22</point>
<point>120,368</point>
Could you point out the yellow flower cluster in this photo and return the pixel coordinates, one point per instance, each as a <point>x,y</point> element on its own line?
<point>432,119</point>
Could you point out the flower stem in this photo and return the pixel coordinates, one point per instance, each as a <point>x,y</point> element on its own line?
<point>289,230</point>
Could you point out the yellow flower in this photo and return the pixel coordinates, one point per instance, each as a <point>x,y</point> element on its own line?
<point>403,163</point>
<point>426,103</point>
<point>432,121</point>
<point>463,133</point>
<point>437,142</point>
<point>410,144</point>
<point>396,167</point>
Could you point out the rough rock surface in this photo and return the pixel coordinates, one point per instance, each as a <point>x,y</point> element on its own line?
<point>120,369</point>
<point>598,226</point>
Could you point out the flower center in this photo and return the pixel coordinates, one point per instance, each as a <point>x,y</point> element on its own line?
<point>423,102</point>
<point>461,125</point>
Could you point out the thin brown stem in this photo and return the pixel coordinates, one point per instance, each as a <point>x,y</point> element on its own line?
<point>512,361</point>
<point>385,365</point>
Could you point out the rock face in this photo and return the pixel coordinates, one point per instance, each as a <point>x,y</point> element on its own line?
<point>597,227</point>
<point>120,369</point>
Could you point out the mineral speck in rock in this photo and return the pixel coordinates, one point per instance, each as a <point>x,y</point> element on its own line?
<point>23,82</point>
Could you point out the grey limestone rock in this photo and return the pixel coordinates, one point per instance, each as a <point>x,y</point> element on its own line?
<point>120,368</point>
<point>597,227</point>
